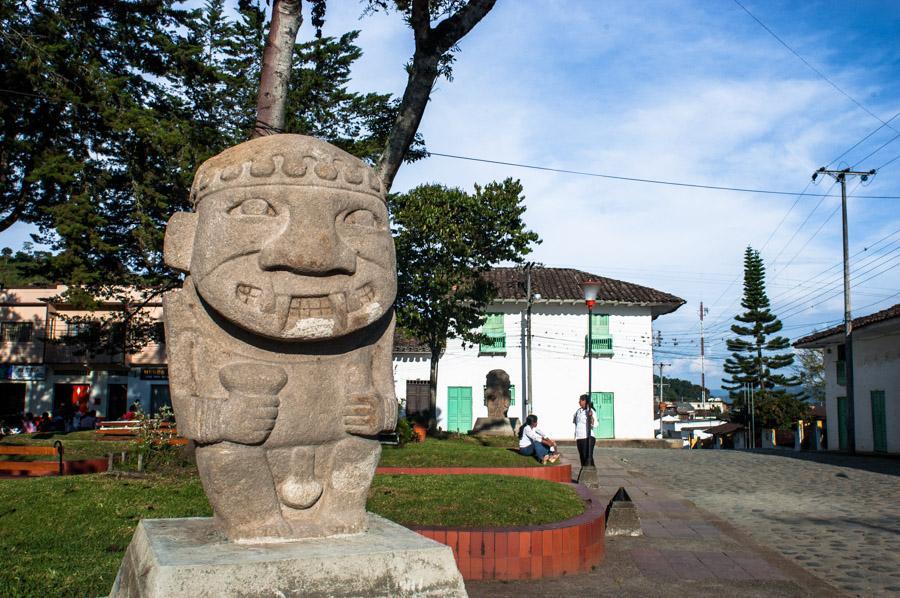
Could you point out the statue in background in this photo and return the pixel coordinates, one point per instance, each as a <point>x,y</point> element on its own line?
<point>496,393</point>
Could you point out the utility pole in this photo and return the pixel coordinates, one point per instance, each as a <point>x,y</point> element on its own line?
<point>526,342</point>
<point>703,312</point>
<point>661,385</point>
<point>841,177</point>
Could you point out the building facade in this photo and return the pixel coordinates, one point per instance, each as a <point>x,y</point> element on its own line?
<point>41,372</point>
<point>622,355</point>
<point>876,382</point>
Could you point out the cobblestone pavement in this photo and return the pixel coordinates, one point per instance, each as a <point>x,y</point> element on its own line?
<point>838,517</point>
<point>684,550</point>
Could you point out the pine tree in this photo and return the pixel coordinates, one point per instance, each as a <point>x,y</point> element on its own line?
<point>757,353</point>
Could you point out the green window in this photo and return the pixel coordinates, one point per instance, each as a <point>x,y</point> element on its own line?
<point>512,394</point>
<point>496,341</point>
<point>601,341</point>
<point>841,366</point>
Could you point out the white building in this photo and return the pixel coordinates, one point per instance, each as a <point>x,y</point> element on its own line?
<point>876,381</point>
<point>622,378</point>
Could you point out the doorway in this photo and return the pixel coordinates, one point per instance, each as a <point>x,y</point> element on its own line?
<point>843,411</point>
<point>12,403</point>
<point>459,409</point>
<point>879,422</point>
<point>159,398</point>
<point>69,397</point>
<point>604,405</point>
<point>116,401</point>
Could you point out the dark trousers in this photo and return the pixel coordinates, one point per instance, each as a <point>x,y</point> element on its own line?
<point>585,452</point>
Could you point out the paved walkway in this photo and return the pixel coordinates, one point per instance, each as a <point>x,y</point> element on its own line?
<point>684,550</point>
<point>836,516</point>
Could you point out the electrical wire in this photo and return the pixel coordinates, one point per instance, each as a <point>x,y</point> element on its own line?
<point>810,66</point>
<point>645,180</point>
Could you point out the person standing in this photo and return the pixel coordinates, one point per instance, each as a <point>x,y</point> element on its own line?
<point>584,420</point>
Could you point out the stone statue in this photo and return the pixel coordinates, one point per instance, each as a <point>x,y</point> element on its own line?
<point>279,341</point>
<point>496,393</point>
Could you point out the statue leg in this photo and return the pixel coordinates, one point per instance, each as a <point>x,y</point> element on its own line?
<point>240,486</point>
<point>347,467</point>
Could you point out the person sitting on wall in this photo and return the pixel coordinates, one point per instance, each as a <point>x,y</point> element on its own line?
<point>533,442</point>
<point>89,420</point>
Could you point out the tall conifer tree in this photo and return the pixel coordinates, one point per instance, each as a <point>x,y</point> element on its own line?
<point>758,353</point>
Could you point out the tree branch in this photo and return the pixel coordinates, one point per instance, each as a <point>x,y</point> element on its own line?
<point>431,45</point>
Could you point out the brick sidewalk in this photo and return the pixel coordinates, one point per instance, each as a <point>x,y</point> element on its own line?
<point>683,550</point>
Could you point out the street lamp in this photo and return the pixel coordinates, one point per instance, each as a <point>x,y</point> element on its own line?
<point>588,473</point>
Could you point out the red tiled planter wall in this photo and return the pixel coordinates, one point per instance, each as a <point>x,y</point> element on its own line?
<point>553,473</point>
<point>528,552</point>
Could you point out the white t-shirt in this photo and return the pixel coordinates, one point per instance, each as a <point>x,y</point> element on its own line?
<point>580,421</point>
<point>530,435</point>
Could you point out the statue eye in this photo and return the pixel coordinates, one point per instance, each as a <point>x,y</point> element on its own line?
<point>253,207</point>
<point>363,218</point>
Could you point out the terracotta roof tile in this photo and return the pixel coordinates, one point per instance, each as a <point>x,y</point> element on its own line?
<point>565,284</point>
<point>861,322</point>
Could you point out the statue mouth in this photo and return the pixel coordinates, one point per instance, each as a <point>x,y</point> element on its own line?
<point>289,310</point>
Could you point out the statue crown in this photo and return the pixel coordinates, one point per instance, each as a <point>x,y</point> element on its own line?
<point>285,160</point>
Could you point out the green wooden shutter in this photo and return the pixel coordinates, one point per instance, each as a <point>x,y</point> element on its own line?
<point>512,395</point>
<point>601,341</point>
<point>604,405</point>
<point>459,408</point>
<point>842,423</point>
<point>493,328</point>
<point>879,421</point>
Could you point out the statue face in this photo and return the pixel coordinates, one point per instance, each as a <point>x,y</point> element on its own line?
<point>294,262</point>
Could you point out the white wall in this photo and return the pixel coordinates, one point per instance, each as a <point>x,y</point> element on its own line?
<point>876,358</point>
<point>559,368</point>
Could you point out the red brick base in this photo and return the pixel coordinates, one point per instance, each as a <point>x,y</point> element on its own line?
<point>528,552</point>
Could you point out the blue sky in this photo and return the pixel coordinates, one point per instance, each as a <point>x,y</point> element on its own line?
<point>675,90</point>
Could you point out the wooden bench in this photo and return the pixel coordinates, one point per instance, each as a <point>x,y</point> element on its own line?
<point>18,468</point>
<point>128,430</point>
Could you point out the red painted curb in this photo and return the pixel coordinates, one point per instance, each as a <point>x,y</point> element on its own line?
<point>553,473</point>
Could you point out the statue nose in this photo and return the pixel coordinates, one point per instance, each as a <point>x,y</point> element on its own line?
<point>308,245</point>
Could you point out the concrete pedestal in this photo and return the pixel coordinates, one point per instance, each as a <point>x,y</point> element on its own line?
<point>587,475</point>
<point>495,426</point>
<point>190,558</point>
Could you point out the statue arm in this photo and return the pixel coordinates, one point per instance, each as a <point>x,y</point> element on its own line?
<point>198,418</point>
<point>383,376</point>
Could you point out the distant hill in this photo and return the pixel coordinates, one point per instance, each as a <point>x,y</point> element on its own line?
<point>676,389</point>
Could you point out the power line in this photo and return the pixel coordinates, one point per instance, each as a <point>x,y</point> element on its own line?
<point>878,149</point>
<point>855,145</point>
<point>810,66</point>
<point>645,180</point>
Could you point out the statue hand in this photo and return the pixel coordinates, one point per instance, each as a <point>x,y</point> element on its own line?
<point>362,415</point>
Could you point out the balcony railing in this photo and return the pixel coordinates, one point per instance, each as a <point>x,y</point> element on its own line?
<point>496,345</point>
<point>601,346</point>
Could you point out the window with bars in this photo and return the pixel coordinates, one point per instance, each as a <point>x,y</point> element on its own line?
<point>601,341</point>
<point>494,330</point>
<point>16,332</point>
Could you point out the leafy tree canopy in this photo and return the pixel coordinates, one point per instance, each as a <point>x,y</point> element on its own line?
<point>107,108</point>
<point>445,239</point>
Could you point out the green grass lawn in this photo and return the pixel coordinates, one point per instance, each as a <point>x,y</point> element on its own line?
<point>65,536</point>
<point>462,451</point>
<point>76,445</point>
<point>471,500</point>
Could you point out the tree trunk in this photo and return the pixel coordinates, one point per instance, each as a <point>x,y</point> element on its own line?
<point>422,76</point>
<point>276,69</point>
<point>432,390</point>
